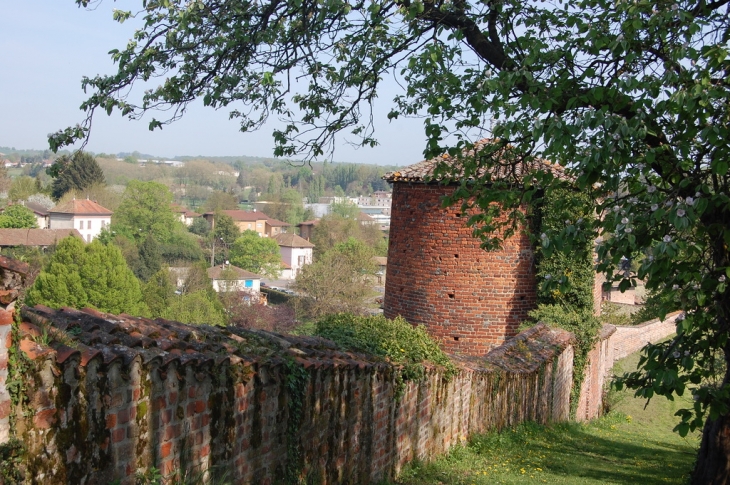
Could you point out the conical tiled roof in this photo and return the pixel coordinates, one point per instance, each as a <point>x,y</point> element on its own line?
<point>513,169</point>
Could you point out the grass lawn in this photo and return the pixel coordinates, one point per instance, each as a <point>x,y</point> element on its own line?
<point>630,445</point>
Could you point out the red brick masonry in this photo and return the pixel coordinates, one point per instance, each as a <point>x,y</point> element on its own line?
<point>438,276</point>
<point>130,393</point>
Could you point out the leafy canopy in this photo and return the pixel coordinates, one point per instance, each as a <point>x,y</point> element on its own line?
<point>17,217</point>
<point>256,254</point>
<point>146,210</point>
<point>631,95</point>
<point>340,280</point>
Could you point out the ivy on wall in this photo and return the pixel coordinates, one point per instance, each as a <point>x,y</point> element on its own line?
<point>566,279</point>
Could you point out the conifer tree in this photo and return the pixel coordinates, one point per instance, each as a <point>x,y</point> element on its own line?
<point>60,284</point>
<point>77,172</point>
<point>80,275</point>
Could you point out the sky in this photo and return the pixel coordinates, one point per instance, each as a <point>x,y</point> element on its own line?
<point>47,46</point>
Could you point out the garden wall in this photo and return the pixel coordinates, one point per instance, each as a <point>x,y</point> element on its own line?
<point>122,394</point>
<point>614,343</point>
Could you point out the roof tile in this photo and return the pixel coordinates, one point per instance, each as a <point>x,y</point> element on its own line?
<point>34,237</point>
<point>505,170</point>
<point>81,207</point>
<point>288,240</point>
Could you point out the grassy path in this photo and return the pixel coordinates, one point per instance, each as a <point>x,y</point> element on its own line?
<point>631,445</point>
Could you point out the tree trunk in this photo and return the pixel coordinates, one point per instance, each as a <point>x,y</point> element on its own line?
<point>713,466</point>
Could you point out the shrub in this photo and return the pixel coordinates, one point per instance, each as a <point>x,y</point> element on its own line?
<point>395,340</point>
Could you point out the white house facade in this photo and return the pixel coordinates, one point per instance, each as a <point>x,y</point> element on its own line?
<point>86,216</point>
<point>295,251</point>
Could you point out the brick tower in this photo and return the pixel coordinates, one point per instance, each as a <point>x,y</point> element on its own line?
<point>469,299</point>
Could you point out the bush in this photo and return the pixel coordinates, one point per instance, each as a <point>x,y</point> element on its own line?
<point>395,340</point>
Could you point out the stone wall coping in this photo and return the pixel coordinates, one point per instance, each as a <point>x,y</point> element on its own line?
<point>529,349</point>
<point>81,336</point>
<point>14,265</point>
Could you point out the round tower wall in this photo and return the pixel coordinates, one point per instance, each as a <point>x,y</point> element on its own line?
<point>437,275</point>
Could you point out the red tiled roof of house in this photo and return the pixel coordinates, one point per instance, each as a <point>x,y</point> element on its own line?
<point>218,272</point>
<point>277,223</point>
<point>362,217</point>
<point>313,222</point>
<point>514,169</point>
<point>35,237</point>
<point>292,241</point>
<point>82,207</point>
<point>36,208</point>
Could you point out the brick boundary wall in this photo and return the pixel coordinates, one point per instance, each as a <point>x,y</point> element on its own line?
<point>6,320</point>
<point>131,393</point>
<point>469,299</point>
<point>614,343</point>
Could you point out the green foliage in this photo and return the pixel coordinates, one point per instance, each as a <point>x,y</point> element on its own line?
<point>220,201</point>
<point>76,172</point>
<point>95,275</point>
<point>257,254</point>
<point>23,187</point>
<point>285,205</point>
<point>584,325</point>
<point>612,314</point>
<point>158,292</point>
<point>333,229</point>
<point>657,304</point>
<point>181,247</point>
<point>20,367</point>
<point>340,280</point>
<point>146,210</point>
<point>396,340</point>
<point>196,307</point>
<point>18,217</point>
<point>296,384</point>
<point>199,226</point>
<point>566,279</point>
<point>225,229</point>
<point>150,259</point>
<point>195,303</point>
<point>12,454</point>
<point>631,96</point>
<point>346,210</point>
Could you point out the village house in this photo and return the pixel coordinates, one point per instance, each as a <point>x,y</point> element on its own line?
<point>296,252</point>
<point>83,214</point>
<point>306,228</point>
<point>186,215</point>
<point>226,277</point>
<point>264,225</point>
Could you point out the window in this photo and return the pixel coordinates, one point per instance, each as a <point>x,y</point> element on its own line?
<point>249,225</point>
<point>88,238</point>
<point>248,284</point>
<point>81,224</point>
<point>88,225</point>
